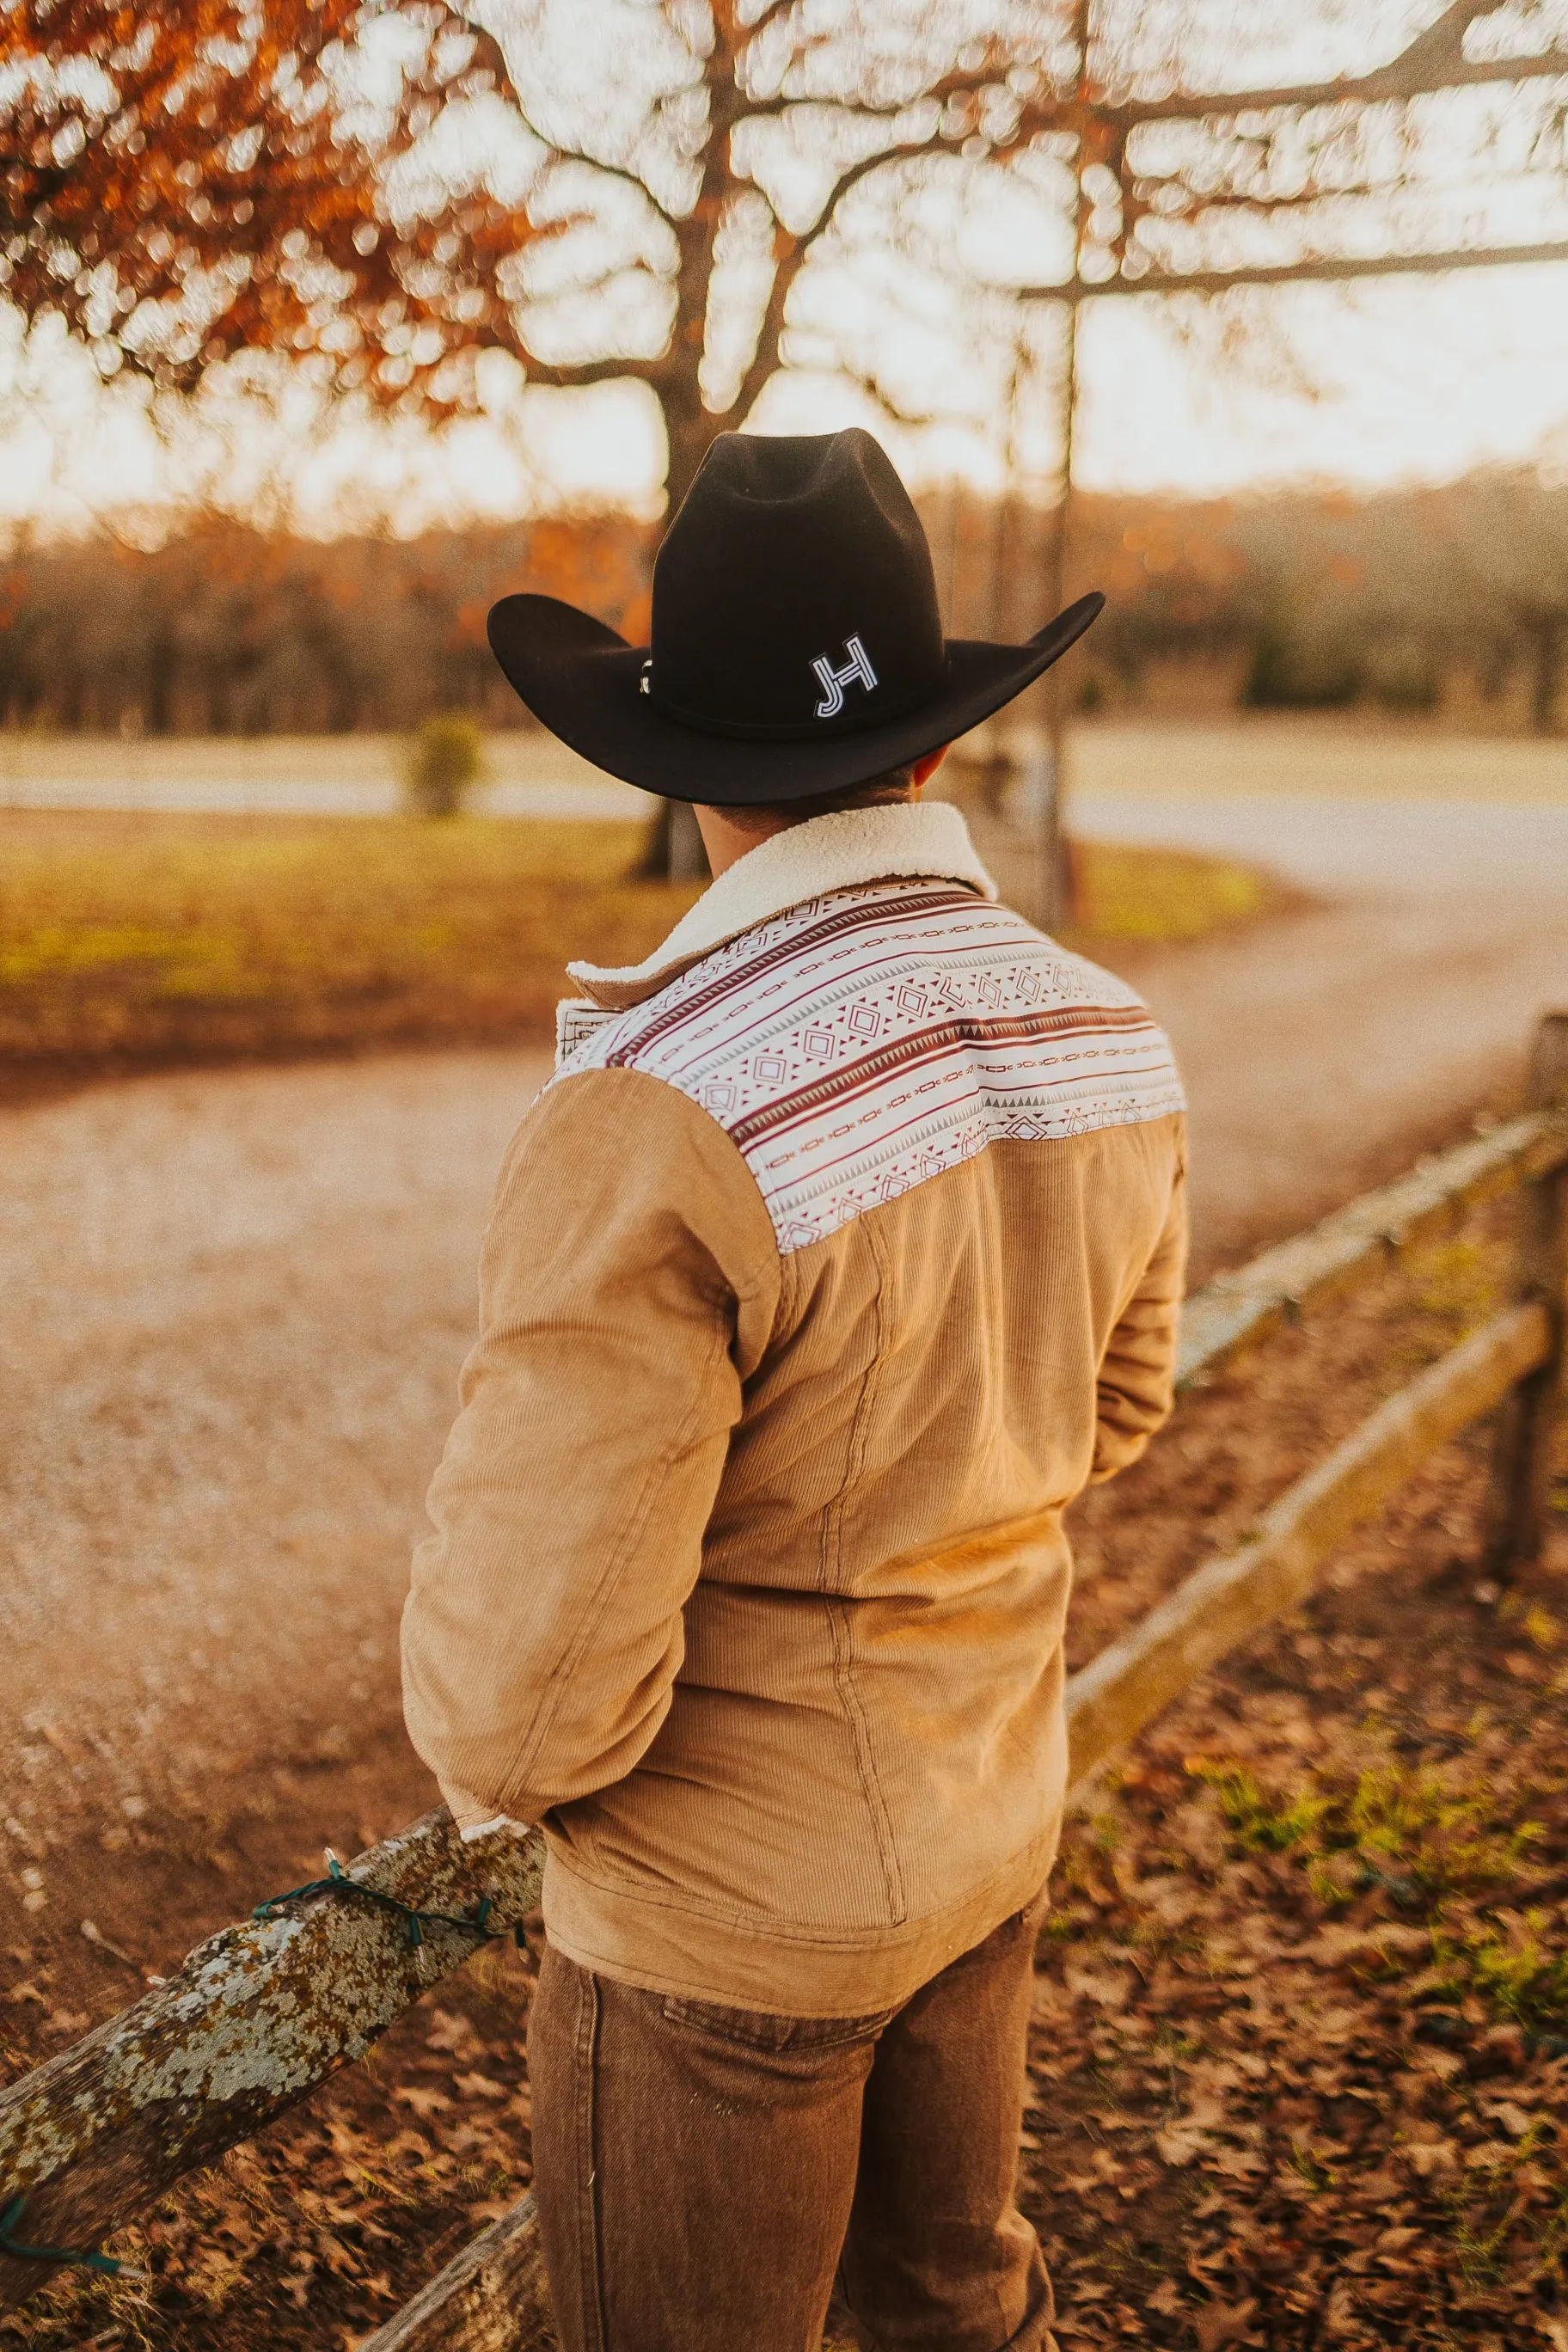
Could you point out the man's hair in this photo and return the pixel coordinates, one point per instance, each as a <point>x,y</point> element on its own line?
<point>881,791</point>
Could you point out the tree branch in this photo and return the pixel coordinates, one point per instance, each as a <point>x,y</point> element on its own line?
<point>495,63</point>
<point>860,170</point>
<point>1315,271</point>
<point>1227,202</point>
<point>1434,61</point>
<point>568,376</point>
<point>597,284</point>
<point>765,358</point>
<point>613,172</point>
<point>874,389</point>
<point>1042,109</point>
<point>1442,46</point>
<point>763,17</point>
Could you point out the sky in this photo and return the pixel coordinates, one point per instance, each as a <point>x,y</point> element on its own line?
<point>1393,380</point>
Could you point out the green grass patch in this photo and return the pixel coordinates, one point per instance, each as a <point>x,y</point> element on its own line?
<point>136,938</point>
<point>1507,1966</point>
<point>1160,895</point>
<point>1417,1832</point>
<point>140,937</point>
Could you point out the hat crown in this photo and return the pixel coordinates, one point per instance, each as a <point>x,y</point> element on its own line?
<point>793,594</point>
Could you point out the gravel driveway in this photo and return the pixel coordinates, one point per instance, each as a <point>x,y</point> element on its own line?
<point>1326,1051</point>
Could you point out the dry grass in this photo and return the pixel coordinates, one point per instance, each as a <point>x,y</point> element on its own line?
<point>129,939</point>
<point>146,937</point>
<point>1156,896</point>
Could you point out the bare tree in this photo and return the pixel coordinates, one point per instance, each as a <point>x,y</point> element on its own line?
<point>1138,149</point>
<point>694,193</point>
<point>1343,176</point>
<point>697,194</point>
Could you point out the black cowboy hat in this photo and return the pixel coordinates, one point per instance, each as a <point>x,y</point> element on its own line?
<point>797,646</point>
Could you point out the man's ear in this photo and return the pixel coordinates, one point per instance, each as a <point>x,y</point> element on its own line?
<point>926,767</point>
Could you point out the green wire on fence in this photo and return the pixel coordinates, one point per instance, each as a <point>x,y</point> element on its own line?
<point>337,1882</point>
<point>84,2257</point>
<point>414,1923</point>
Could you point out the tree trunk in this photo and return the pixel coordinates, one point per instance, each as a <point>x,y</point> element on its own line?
<point>691,431</point>
<point>160,688</point>
<point>675,852</point>
<point>1547,634</point>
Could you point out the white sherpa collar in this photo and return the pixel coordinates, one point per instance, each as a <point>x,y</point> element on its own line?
<point>924,838</point>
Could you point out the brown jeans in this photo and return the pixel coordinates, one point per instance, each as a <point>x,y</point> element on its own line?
<point>702,2172</point>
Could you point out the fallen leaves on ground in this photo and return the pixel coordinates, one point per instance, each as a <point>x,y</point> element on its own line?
<point>1300,2047</point>
<point>314,2233</point>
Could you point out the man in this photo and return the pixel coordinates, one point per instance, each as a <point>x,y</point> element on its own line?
<point>845,1247</point>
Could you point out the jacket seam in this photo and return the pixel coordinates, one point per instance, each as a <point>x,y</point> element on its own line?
<point>830,1558</point>
<point>756,1274</point>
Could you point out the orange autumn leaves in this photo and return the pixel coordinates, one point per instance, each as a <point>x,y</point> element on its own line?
<point>182,182</point>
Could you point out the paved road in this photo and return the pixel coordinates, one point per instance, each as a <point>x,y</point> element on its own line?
<point>232,1305</point>
<point>1417,850</point>
<point>531,773</point>
<point>527,775</point>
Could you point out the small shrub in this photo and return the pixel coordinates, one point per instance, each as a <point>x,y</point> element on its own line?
<point>444,762</point>
<point>1292,669</point>
<point>1507,1966</point>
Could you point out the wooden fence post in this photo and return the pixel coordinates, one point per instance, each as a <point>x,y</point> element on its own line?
<point>1521,1465</point>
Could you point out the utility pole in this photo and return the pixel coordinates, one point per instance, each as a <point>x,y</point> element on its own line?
<point>1049,784</point>
<point>1047,781</point>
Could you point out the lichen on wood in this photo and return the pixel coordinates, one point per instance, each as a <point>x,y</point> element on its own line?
<point>257,2017</point>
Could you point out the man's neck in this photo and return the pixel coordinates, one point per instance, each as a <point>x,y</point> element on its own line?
<point>728,835</point>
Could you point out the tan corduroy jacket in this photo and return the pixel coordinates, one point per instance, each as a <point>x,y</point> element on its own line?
<point>844,1248</point>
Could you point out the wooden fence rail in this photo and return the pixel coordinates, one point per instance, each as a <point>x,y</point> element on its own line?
<point>262,2013</point>
<point>256,2018</point>
<point>1133,1679</point>
<point>1374,1232</point>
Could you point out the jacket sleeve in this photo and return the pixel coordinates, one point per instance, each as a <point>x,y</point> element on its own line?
<point>628,1284</point>
<point>1136,1377</point>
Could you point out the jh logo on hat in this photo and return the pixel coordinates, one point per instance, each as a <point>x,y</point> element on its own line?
<point>834,681</point>
<point>797,645</point>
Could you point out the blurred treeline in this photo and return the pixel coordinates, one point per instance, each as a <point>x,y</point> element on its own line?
<point>1451,600</point>
<point>226,630</point>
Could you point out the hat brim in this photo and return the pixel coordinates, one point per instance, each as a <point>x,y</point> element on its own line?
<point>585,683</point>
